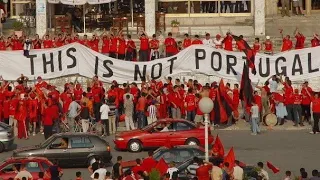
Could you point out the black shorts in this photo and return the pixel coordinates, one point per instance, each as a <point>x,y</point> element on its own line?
<point>306,110</point>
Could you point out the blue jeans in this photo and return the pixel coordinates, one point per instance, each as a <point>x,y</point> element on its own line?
<point>141,119</point>
<point>254,125</point>
<point>191,115</point>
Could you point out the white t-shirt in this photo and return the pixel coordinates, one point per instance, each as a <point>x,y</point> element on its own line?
<point>238,173</point>
<point>104,110</point>
<point>102,173</point>
<point>125,98</point>
<point>207,42</point>
<point>273,86</point>
<point>255,111</point>
<point>218,42</point>
<point>264,174</point>
<point>22,174</point>
<point>171,171</point>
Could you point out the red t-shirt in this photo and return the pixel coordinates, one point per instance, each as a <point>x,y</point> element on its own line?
<point>105,45</point>
<point>186,43</point>
<point>236,97</point>
<point>154,43</point>
<point>18,45</point>
<point>315,105</point>
<point>36,44</point>
<point>228,43</point>
<point>286,44</point>
<point>78,94</point>
<point>59,42</point>
<point>174,98</point>
<point>142,101</point>
<point>13,106</point>
<point>48,116</point>
<point>47,44</point>
<point>315,42</point>
<point>144,44</point>
<point>96,91</point>
<point>203,172</point>
<point>288,94</point>
<point>170,44</point>
<point>197,41</point>
<point>148,164</point>
<point>256,47</point>
<point>6,108</point>
<point>190,101</point>
<point>33,108</point>
<point>122,46</point>
<point>300,42</point>
<point>130,46</point>
<point>306,100</point>
<point>94,45</point>
<point>268,46</point>
<point>258,101</point>
<point>114,44</point>
<point>297,98</point>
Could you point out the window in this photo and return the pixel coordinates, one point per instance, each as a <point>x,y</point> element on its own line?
<point>33,167</point>
<point>59,143</point>
<point>183,155</point>
<point>197,152</point>
<point>176,7</point>
<point>183,126</point>
<point>11,167</point>
<point>45,166</point>
<point>81,142</point>
<point>169,156</point>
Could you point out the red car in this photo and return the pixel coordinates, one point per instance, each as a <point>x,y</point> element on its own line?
<point>9,167</point>
<point>165,132</point>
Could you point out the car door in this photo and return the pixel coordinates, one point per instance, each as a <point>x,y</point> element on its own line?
<point>157,137</point>
<point>181,133</point>
<point>81,147</point>
<point>54,152</point>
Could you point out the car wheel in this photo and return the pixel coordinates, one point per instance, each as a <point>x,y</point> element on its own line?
<point>192,142</point>
<point>134,146</point>
<point>1,147</point>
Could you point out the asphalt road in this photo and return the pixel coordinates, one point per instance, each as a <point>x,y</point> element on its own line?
<point>288,150</point>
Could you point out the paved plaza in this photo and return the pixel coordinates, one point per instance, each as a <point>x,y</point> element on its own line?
<point>288,150</point>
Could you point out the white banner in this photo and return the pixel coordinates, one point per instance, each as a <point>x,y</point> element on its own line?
<point>77,59</point>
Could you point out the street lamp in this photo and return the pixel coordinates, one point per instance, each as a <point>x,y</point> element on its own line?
<point>206,106</point>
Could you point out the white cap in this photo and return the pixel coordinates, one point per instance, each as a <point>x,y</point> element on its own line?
<point>267,37</point>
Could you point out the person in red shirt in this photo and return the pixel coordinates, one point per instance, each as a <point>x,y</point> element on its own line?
<point>33,111</point>
<point>139,168</point>
<point>174,99</point>
<point>60,40</point>
<point>288,99</point>
<point>300,39</point>
<point>268,46</point>
<point>170,44</point>
<point>21,117</point>
<point>197,40</point>
<point>286,43</point>
<point>258,100</point>
<point>256,45</point>
<point>306,101</point>
<point>122,47</point>
<point>297,99</point>
<point>149,163</point>
<point>190,104</point>
<point>47,42</point>
<point>203,171</point>
<point>144,47</point>
<point>105,45</point>
<point>228,42</point>
<point>37,42</point>
<point>131,53</point>
<point>94,43</point>
<point>315,41</point>
<point>18,43</point>
<point>140,109</point>
<point>315,110</point>
<point>154,46</point>
<point>186,41</point>
<point>68,39</point>
<point>6,108</point>
<point>9,44</point>
<point>97,95</point>
<point>77,92</point>
<point>48,117</point>
<point>113,45</point>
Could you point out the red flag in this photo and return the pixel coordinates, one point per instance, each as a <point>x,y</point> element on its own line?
<point>218,147</point>
<point>274,169</point>
<point>246,90</point>
<point>162,167</point>
<point>230,158</point>
<point>225,103</point>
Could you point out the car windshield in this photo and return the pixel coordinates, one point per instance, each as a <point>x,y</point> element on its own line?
<point>47,142</point>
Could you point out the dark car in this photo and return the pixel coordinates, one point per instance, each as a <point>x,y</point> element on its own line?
<point>186,173</point>
<point>177,154</point>
<point>10,167</point>
<point>163,132</point>
<point>70,149</point>
<point>6,136</point>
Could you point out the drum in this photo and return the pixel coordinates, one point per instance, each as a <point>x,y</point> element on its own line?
<point>270,120</point>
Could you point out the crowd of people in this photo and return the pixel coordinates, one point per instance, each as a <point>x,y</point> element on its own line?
<point>118,45</point>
